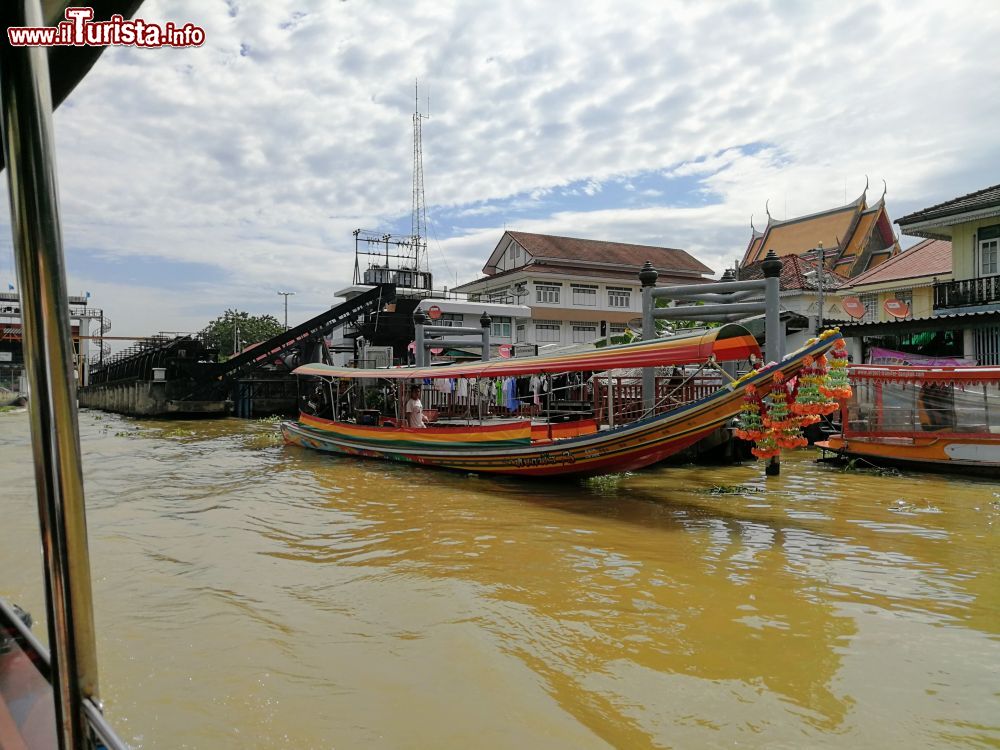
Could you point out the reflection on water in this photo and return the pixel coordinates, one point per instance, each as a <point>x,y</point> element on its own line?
<point>252,595</point>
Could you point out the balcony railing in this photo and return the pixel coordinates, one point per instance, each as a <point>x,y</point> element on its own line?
<point>967,292</point>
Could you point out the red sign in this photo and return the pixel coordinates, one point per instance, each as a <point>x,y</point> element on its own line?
<point>434,312</point>
<point>896,308</point>
<point>853,307</point>
<point>505,350</point>
<point>436,351</point>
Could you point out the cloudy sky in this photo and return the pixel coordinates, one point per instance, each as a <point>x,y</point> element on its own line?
<point>193,180</point>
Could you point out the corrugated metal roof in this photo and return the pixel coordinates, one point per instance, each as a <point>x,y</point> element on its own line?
<point>850,329</point>
<point>927,258</point>
<point>977,201</point>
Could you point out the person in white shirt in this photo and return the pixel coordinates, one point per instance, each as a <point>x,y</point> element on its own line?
<point>414,409</point>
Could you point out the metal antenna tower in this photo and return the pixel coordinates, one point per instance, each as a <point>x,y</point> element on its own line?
<point>418,216</point>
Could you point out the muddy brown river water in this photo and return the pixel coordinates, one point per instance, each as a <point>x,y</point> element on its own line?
<point>250,595</point>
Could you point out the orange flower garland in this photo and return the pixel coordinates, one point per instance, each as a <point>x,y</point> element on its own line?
<point>837,385</point>
<point>751,427</point>
<point>810,400</point>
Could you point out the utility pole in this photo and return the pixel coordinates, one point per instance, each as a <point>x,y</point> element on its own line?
<point>286,295</point>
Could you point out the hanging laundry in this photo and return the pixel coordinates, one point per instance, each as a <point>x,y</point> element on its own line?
<point>510,389</point>
<point>535,384</point>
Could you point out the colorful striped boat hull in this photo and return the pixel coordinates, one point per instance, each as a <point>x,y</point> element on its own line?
<point>508,449</point>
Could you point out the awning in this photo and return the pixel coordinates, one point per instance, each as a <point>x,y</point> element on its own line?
<point>946,322</point>
<point>727,343</point>
<point>924,375</point>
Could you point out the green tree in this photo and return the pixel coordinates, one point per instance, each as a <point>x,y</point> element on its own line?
<point>221,333</point>
<point>682,325</point>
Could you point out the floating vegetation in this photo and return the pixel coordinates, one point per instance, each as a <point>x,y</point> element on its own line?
<point>177,432</point>
<point>733,489</point>
<point>264,439</point>
<point>605,482</point>
<point>863,465</point>
<point>269,420</point>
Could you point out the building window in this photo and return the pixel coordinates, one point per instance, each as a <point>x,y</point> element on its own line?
<point>616,329</point>
<point>449,319</point>
<point>870,301</point>
<point>584,333</point>
<point>584,295</point>
<point>548,331</point>
<point>619,296</point>
<point>501,327</point>
<point>989,257</point>
<point>548,293</point>
<point>521,335</point>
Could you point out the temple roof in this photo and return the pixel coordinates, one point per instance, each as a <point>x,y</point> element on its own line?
<point>794,276</point>
<point>856,237</point>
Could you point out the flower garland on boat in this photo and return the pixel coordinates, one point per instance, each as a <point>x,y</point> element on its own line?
<point>776,422</point>
<point>837,385</point>
<point>782,422</point>
<point>751,416</point>
<point>811,400</point>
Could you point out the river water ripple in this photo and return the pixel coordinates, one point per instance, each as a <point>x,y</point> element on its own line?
<point>254,595</point>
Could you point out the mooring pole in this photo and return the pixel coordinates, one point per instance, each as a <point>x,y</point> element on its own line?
<point>418,337</point>
<point>486,322</point>
<point>773,335</point>
<point>647,277</point>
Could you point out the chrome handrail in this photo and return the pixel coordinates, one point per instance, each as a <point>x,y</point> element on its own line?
<point>31,176</point>
<point>39,656</point>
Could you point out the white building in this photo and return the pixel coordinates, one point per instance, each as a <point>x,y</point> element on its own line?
<point>576,290</point>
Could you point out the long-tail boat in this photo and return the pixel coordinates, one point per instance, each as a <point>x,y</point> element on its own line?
<point>474,439</point>
<point>942,418</point>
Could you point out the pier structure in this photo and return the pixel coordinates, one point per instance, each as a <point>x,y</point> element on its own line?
<point>723,302</point>
<point>178,376</point>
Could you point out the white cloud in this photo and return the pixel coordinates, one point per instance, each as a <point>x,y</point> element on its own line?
<point>261,165</point>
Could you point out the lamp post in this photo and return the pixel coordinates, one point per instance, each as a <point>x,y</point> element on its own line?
<point>286,295</point>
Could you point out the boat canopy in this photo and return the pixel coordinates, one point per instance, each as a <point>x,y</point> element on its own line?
<point>924,375</point>
<point>727,343</point>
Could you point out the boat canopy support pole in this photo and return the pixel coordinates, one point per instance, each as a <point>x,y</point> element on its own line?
<point>31,178</point>
<point>648,276</point>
